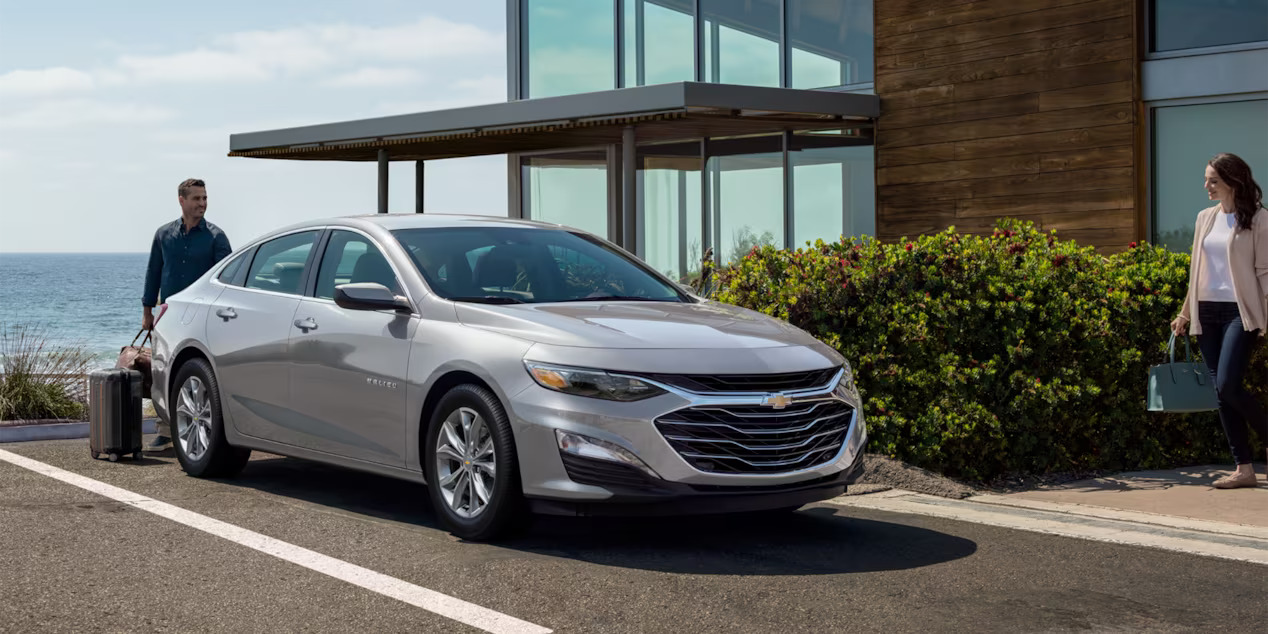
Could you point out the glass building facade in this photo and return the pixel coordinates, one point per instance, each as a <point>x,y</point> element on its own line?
<point>1205,88</point>
<point>785,189</point>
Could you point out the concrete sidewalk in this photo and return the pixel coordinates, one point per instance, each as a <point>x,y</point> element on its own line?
<point>1181,493</point>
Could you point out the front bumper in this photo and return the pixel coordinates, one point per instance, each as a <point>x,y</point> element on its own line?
<point>676,480</point>
<point>640,495</point>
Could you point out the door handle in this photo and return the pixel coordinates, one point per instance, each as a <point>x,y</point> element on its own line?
<point>226,314</point>
<point>306,324</point>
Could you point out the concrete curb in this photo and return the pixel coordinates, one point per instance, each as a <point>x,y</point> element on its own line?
<point>58,431</point>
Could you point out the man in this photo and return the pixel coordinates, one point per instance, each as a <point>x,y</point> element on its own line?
<point>182,251</point>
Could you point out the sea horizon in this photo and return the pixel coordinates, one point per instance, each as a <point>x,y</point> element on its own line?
<point>91,300</point>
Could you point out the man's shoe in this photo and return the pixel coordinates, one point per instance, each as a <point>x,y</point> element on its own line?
<point>1236,481</point>
<point>160,443</point>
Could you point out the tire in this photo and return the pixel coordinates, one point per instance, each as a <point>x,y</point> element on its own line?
<point>504,509</point>
<point>203,451</point>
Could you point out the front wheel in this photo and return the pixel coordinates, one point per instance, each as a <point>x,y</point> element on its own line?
<point>470,464</point>
<point>199,426</point>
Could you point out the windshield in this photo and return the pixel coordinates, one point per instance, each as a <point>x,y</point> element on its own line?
<point>529,265</point>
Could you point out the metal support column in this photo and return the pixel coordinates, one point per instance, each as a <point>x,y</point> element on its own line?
<point>682,224</point>
<point>706,207</point>
<point>383,181</point>
<point>629,190</point>
<point>418,187</point>
<point>640,66</point>
<point>786,160</point>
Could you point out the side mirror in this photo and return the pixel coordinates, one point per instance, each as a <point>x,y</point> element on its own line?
<point>369,296</point>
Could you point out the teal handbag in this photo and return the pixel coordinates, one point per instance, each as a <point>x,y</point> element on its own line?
<point>1181,387</point>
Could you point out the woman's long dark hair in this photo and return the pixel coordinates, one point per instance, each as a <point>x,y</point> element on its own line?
<point>1247,196</point>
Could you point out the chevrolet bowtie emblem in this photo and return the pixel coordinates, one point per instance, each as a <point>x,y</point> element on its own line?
<point>777,401</point>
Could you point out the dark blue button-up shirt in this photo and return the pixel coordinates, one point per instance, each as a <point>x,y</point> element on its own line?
<point>178,258</point>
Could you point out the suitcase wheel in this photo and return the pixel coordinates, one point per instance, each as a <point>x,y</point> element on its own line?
<point>136,455</point>
<point>96,455</point>
<point>114,457</point>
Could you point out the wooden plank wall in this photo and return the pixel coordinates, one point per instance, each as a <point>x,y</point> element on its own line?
<point>994,108</point>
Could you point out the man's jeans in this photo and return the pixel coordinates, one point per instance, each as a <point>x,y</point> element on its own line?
<point>1226,347</point>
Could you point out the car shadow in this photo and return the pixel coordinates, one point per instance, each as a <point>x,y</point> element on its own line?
<point>817,540</point>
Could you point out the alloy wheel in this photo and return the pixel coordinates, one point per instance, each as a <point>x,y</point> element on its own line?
<point>193,418</point>
<point>466,465</point>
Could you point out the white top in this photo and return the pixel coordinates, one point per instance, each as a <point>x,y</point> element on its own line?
<point>1217,279</point>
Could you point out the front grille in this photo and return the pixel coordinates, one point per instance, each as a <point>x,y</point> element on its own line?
<point>606,474</point>
<point>756,439</point>
<point>783,382</point>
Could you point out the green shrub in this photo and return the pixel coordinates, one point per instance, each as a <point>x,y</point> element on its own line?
<point>980,356</point>
<point>40,380</point>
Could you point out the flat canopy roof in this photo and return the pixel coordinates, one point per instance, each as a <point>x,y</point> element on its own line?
<point>664,112</point>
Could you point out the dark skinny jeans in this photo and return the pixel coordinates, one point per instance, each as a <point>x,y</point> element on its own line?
<point>1226,347</point>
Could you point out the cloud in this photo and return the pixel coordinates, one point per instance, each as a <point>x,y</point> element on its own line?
<point>44,81</point>
<point>251,56</point>
<point>375,77</point>
<point>464,92</point>
<point>197,66</point>
<point>255,56</point>
<point>67,113</point>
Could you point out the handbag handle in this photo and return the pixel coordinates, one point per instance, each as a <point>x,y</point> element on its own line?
<point>1188,358</point>
<point>138,336</point>
<point>1171,349</point>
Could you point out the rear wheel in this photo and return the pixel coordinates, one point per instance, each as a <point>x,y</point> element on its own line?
<point>198,425</point>
<point>470,464</point>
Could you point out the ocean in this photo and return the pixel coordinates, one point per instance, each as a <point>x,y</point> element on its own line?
<point>88,299</point>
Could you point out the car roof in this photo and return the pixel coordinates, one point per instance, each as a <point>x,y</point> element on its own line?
<point>393,222</point>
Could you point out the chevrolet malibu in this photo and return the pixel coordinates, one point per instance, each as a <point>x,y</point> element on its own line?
<point>511,366</point>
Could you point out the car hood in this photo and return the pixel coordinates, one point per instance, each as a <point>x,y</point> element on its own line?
<point>635,325</point>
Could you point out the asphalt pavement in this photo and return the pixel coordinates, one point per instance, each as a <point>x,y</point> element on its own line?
<point>75,560</point>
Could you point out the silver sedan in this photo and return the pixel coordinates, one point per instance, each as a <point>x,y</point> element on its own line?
<point>510,365</point>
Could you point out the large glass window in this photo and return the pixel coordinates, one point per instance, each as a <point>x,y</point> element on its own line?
<point>1185,138</point>
<point>741,41</point>
<point>834,187</point>
<point>570,189</point>
<point>830,42</point>
<point>1181,24</point>
<point>746,191</point>
<point>669,178</point>
<point>659,42</point>
<point>569,46</point>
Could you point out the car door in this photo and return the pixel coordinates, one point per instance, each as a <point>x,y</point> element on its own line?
<point>248,331</point>
<point>349,374</point>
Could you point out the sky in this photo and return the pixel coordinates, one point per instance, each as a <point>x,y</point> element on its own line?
<point>105,107</point>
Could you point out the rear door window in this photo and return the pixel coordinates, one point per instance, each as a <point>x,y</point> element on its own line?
<point>280,264</point>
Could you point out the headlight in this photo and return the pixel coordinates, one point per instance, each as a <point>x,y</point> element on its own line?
<point>847,379</point>
<point>592,383</point>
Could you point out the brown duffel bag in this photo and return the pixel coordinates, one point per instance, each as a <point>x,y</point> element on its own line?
<point>134,357</point>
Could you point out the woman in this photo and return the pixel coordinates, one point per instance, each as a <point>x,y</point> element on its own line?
<point>1228,292</point>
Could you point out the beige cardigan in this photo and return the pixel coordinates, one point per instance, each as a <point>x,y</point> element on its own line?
<point>1248,259</point>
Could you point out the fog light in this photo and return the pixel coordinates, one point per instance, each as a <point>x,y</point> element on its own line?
<point>587,447</point>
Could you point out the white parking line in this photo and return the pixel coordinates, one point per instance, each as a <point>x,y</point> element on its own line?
<point>1213,539</point>
<point>418,596</point>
